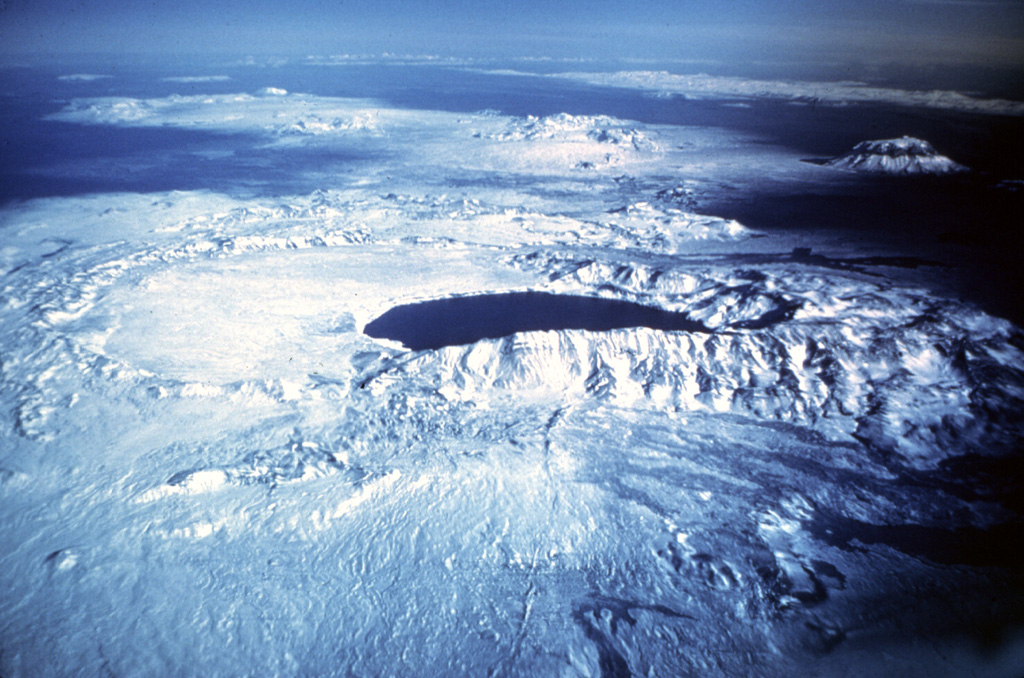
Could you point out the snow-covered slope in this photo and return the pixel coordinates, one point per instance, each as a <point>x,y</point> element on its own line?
<point>207,468</point>
<point>786,345</point>
<point>905,155</point>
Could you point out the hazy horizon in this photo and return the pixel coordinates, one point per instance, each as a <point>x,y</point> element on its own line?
<point>854,38</point>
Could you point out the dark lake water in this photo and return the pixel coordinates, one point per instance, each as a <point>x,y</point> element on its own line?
<point>464,320</point>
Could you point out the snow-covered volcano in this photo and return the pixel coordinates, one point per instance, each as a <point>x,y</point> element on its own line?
<point>212,464</point>
<point>905,155</point>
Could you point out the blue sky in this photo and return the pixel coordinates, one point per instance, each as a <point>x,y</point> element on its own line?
<point>975,32</point>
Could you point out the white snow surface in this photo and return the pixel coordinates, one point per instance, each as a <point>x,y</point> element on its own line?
<point>905,155</point>
<point>271,110</point>
<point>208,469</point>
<point>449,141</point>
<point>702,86</point>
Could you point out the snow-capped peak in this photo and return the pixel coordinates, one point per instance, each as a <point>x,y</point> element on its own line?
<point>905,155</point>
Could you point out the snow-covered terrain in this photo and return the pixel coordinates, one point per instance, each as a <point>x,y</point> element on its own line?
<point>207,467</point>
<point>702,86</point>
<point>258,112</point>
<point>905,155</point>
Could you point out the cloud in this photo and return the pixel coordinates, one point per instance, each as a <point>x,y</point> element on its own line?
<point>392,59</point>
<point>387,58</point>
<point>198,78</point>
<point>82,77</point>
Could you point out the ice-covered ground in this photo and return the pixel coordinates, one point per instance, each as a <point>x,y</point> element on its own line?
<point>208,469</point>
<point>702,86</point>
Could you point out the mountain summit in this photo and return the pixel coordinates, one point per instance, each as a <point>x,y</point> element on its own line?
<point>905,155</point>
